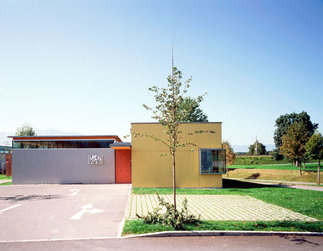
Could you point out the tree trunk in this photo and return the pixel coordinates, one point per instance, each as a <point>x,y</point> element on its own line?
<point>300,167</point>
<point>304,165</point>
<point>318,173</point>
<point>174,181</point>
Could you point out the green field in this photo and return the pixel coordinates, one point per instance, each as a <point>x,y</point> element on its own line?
<point>309,167</point>
<point>258,160</point>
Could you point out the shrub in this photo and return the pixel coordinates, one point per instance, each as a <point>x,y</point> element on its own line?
<point>258,160</point>
<point>175,218</point>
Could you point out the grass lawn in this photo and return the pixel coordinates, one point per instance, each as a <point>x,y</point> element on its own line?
<point>302,201</point>
<point>5,184</point>
<point>138,227</point>
<point>4,177</point>
<point>309,167</point>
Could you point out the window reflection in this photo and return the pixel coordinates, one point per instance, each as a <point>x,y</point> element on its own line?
<point>212,161</point>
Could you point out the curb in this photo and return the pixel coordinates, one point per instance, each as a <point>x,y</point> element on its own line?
<point>223,233</point>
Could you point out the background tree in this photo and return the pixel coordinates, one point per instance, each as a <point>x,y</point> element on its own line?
<point>170,115</point>
<point>276,154</point>
<point>194,112</point>
<point>314,148</point>
<point>229,154</point>
<point>261,148</point>
<point>293,143</point>
<point>25,130</point>
<point>283,123</point>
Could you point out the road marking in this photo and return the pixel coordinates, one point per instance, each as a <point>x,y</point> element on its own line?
<point>8,208</point>
<point>86,209</point>
<point>74,191</point>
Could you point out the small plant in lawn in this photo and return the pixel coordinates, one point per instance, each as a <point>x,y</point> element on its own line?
<point>172,217</point>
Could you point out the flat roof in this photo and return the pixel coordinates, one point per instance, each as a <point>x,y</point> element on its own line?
<point>65,137</point>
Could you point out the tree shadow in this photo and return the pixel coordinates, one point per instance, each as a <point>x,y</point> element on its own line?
<point>253,176</point>
<point>300,240</point>
<point>30,197</point>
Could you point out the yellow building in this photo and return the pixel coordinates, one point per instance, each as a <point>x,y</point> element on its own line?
<point>199,167</point>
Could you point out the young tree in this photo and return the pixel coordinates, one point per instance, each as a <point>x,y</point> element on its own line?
<point>293,143</point>
<point>283,123</point>
<point>170,115</point>
<point>314,148</point>
<point>194,114</point>
<point>229,153</point>
<point>25,130</point>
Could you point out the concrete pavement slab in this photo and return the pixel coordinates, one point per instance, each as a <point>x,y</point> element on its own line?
<point>217,207</point>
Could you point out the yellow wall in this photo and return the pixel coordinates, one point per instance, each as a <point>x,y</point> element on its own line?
<point>149,169</point>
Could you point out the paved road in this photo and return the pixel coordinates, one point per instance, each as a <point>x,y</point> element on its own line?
<point>178,243</point>
<point>34,212</point>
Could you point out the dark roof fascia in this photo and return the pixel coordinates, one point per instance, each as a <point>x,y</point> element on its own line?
<point>64,137</point>
<point>180,123</point>
<point>58,136</point>
<point>121,144</point>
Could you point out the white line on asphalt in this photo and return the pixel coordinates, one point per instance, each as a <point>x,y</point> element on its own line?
<point>74,191</point>
<point>8,208</point>
<point>86,209</point>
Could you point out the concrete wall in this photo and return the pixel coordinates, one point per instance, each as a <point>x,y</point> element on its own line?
<point>61,166</point>
<point>149,169</point>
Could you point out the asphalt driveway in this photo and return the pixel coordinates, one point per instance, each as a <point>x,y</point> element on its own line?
<point>40,212</point>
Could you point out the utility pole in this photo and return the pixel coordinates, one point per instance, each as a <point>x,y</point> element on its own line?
<point>256,146</point>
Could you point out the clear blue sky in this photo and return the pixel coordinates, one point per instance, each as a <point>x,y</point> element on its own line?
<point>85,66</point>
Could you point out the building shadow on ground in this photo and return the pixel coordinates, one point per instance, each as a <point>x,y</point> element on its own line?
<point>230,183</point>
<point>300,241</point>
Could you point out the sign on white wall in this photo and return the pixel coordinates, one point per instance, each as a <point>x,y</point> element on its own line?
<point>95,159</point>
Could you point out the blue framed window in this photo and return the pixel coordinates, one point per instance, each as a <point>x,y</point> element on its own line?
<point>212,161</point>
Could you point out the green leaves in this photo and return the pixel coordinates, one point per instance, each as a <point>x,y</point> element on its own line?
<point>25,130</point>
<point>314,146</point>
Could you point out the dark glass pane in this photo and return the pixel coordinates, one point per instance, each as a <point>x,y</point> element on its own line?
<point>63,144</point>
<point>212,161</point>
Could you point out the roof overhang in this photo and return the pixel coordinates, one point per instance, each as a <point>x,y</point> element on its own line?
<point>121,146</point>
<point>58,138</point>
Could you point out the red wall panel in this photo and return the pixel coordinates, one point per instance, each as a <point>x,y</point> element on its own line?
<point>123,166</point>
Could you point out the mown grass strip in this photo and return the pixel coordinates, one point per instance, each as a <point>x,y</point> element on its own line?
<point>5,184</point>
<point>138,227</point>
